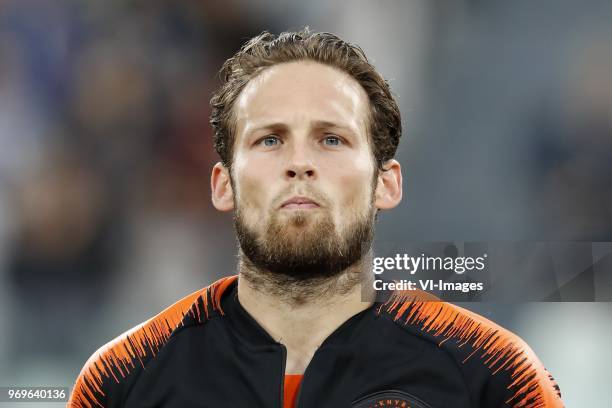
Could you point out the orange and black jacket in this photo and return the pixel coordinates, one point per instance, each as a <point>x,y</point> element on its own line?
<point>206,351</point>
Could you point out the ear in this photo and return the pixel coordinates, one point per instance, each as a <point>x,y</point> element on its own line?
<point>389,186</point>
<point>222,191</point>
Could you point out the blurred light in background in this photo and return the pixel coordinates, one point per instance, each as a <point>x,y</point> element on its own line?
<point>105,156</point>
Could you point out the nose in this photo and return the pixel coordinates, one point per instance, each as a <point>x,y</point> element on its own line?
<point>300,165</point>
<point>300,172</point>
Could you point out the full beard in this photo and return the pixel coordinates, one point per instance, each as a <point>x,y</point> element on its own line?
<point>301,255</point>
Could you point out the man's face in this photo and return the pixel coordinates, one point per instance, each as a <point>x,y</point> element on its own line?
<point>303,171</point>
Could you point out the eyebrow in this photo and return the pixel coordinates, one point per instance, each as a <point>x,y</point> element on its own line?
<point>322,124</point>
<point>318,125</point>
<point>269,126</point>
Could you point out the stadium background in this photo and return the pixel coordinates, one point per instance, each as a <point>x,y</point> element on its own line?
<point>105,153</point>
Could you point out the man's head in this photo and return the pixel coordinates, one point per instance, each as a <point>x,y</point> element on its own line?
<point>306,130</point>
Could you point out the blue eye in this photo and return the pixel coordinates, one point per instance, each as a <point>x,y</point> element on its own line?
<point>269,141</point>
<point>332,141</point>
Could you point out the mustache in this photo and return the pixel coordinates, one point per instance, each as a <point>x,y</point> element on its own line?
<point>308,192</point>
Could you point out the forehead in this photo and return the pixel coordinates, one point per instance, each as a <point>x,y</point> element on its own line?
<point>302,91</point>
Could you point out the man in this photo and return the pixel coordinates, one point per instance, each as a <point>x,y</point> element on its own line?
<point>306,130</point>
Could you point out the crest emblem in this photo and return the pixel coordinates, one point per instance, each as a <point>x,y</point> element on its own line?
<point>390,399</point>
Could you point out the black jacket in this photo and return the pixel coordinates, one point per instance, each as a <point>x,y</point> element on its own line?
<point>206,351</point>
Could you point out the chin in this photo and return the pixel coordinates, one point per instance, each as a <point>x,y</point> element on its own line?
<point>301,218</point>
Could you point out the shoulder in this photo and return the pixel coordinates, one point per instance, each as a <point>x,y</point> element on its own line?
<point>105,374</point>
<point>498,366</point>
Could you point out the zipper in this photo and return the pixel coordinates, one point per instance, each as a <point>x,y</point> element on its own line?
<point>282,382</point>
<point>298,399</point>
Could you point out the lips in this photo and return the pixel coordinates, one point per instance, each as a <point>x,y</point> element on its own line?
<point>295,203</point>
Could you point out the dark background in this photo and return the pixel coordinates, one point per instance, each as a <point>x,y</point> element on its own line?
<point>105,157</point>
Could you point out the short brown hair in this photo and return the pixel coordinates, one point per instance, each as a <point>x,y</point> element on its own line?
<point>266,50</point>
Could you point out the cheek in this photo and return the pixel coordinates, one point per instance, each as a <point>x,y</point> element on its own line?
<point>353,183</point>
<point>251,183</point>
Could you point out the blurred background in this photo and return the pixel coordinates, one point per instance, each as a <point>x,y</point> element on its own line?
<point>106,151</point>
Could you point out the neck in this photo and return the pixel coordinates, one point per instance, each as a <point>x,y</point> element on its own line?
<point>302,314</point>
